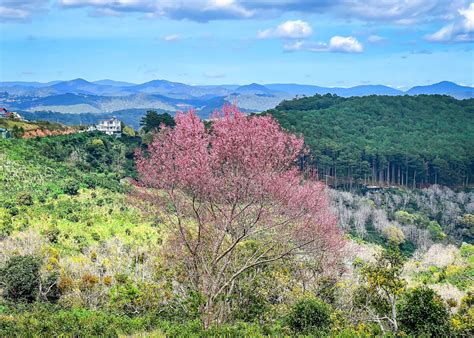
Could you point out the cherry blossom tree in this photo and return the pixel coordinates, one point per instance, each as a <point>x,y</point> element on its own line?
<point>234,199</point>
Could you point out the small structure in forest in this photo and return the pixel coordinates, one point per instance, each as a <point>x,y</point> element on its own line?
<point>6,114</point>
<point>111,126</point>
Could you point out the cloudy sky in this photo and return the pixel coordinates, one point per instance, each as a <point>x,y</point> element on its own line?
<point>326,42</point>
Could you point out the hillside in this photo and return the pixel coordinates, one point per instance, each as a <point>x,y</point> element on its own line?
<point>64,200</point>
<point>27,129</point>
<point>385,140</point>
<point>444,87</point>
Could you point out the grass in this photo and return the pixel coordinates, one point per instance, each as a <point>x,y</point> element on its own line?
<point>93,215</point>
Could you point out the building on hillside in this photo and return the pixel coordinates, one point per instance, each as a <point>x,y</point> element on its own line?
<point>10,115</point>
<point>17,116</point>
<point>112,126</point>
<point>5,133</point>
<point>3,112</point>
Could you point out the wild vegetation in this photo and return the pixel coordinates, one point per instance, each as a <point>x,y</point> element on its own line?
<point>34,129</point>
<point>212,230</point>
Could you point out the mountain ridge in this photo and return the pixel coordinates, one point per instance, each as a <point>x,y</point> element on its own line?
<point>161,85</point>
<point>78,95</point>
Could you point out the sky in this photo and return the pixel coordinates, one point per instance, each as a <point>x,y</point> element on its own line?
<point>400,43</point>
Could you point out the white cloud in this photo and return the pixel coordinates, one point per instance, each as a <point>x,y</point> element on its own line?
<point>229,5</point>
<point>172,37</point>
<point>21,10</point>
<point>345,45</point>
<point>196,10</point>
<point>214,75</point>
<point>468,14</point>
<point>376,38</point>
<point>460,30</point>
<point>403,12</point>
<point>295,29</point>
<point>337,44</point>
<point>13,13</point>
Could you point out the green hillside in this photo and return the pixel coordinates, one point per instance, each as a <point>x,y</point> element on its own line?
<point>402,140</point>
<point>79,256</point>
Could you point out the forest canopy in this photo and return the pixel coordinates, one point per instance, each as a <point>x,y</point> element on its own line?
<point>403,140</point>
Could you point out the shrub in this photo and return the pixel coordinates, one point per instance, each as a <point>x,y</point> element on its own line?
<point>436,231</point>
<point>88,281</point>
<point>394,235</point>
<point>52,234</point>
<point>42,320</point>
<point>404,217</point>
<point>90,182</point>
<point>20,277</point>
<point>463,321</point>
<point>6,226</point>
<point>309,315</point>
<point>71,187</point>
<point>423,312</point>
<point>97,143</point>
<point>24,198</point>
<point>13,211</point>
<point>51,284</point>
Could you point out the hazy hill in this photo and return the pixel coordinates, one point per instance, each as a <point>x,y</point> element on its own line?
<point>444,87</point>
<point>114,83</point>
<point>365,90</point>
<point>80,96</point>
<point>310,90</point>
<point>27,84</point>
<point>181,90</point>
<point>253,88</point>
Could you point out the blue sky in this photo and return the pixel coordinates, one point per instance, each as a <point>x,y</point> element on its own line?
<point>325,42</point>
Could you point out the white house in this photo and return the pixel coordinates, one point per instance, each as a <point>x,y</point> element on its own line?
<point>110,127</point>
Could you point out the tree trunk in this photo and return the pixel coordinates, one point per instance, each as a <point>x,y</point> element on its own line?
<point>209,314</point>
<point>394,314</point>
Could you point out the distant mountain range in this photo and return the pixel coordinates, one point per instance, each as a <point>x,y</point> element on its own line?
<point>181,90</point>
<point>105,97</point>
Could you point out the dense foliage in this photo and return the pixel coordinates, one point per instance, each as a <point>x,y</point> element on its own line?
<point>415,218</point>
<point>80,257</point>
<point>403,140</point>
<point>152,121</point>
<point>20,278</point>
<point>310,316</point>
<point>41,166</point>
<point>423,312</point>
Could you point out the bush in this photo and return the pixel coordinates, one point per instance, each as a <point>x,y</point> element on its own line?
<point>24,198</point>
<point>309,315</point>
<point>436,231</point>
<point>423,312</point>
<point>52,234</point>
<point>71,187</point>
<point>42,320</point>
<point>53,292</point>
<point>394,235</point>
<point>20,277</point>
<point>463,321</point>
<point>6,226</point>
